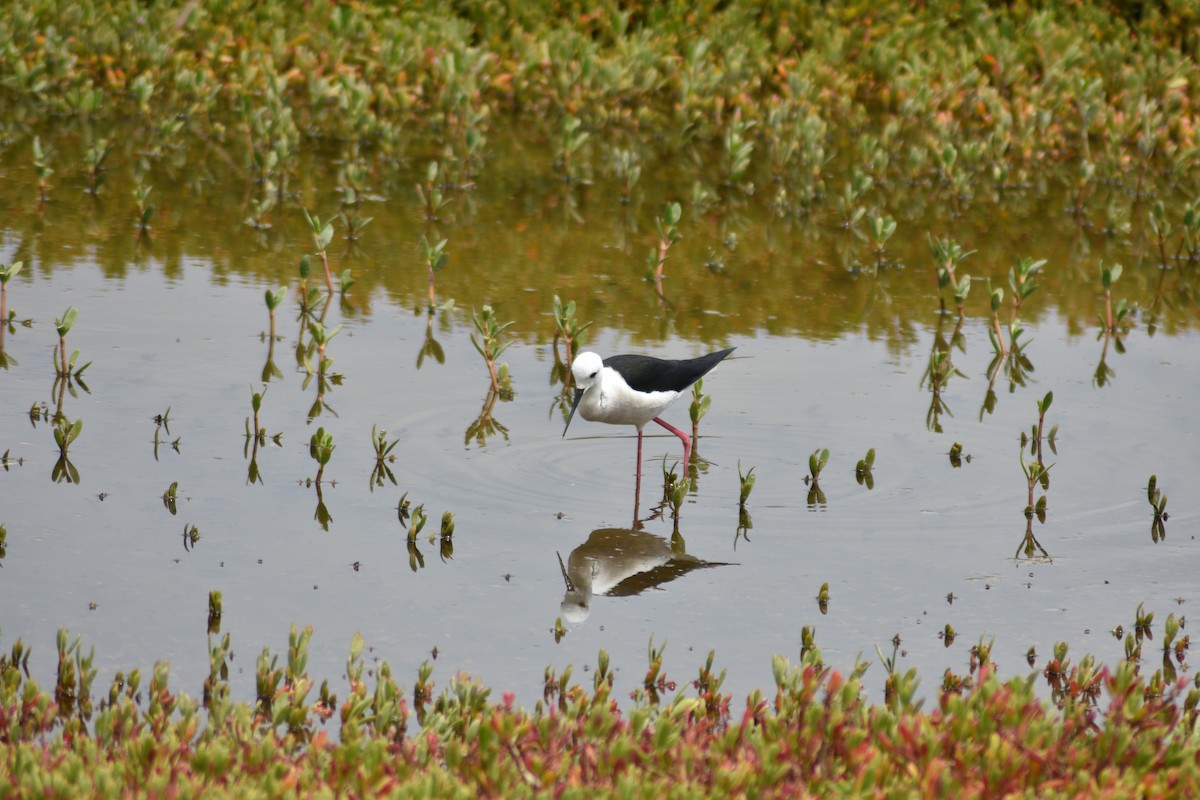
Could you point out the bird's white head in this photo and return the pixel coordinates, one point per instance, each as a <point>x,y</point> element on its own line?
<point>586,368</point>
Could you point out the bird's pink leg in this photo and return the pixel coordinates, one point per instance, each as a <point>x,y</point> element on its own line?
<point>683,437</point>
<point>637,490</point>
<point>639,458</point>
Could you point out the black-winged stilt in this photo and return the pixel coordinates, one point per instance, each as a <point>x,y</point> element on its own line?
<point>634,390</point>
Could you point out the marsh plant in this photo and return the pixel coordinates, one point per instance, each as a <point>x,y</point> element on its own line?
<point>273,298</point>
<point>431,194</point>
<point>320,448</point>
<point>862,470</point>
<point>948,255</point>
<point>383,458</point>
<point>490,344</point>
<point>882,228</point>
<point>1114,319</point>
<point>1035,473</point>
<point>255,431</point>
<point>696,411</point>
<point>1158,504</point>
<point>746,483</point>
<point>567,156</point>
<point>485,426</point>
<point>42,169</point>
<point>94,165</point>
<point>668,236</point>
<point>435,260</point>
<point>65,434</point>
<point>7,273</point>
<point>170,497</point>
<point>816,463</point>
<point>569,330</point>
<point>321,337</point>
<point>162,423</point>
<point>191,536</point>
<point>145,209</point>
<point>66,367</point>
<point>322,235</point>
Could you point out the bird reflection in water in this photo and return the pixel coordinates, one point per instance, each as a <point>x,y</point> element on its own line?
<point>620,562</point>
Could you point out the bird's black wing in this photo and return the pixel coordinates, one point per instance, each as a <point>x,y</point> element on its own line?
<point>649,374</point>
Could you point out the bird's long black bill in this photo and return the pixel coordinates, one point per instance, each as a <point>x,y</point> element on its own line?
<point>575,405</point>
<point>566,577</point>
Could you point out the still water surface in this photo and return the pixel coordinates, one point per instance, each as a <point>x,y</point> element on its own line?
<point>827,357</point>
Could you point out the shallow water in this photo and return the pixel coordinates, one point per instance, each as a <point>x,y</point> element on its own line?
<point>827,357</point>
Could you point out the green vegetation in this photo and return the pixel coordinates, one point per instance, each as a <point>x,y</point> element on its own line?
<point>1106,731</point>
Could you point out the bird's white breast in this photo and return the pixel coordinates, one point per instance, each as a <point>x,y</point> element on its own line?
<point>609,399</point>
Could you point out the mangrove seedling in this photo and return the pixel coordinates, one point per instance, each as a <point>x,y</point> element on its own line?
<point>567,328</point>
<point>948,635</point>
<point>882,229</point>
<point>1112,320</point>
<point>93,165</point>
<point>430,194</point>
<point>163,422</point>
<point>1043,406</point>
<point>1029,542</point>
<point>1022,281</point>
<point>1163,230</point>
<point>486,425</point>
<point>697,410</point>
<point>862,470</point>
<point>65,367</point>
<point>345,281</point>
<point>1035,472</point>
<point>321,338</point>
<point>257,432</point>
<point>996,299</point>
<point>321,447</point>
<point>808,642</point>
<point>435,259</point>
<point>7,273</point>
<point>214,611</point>
<point>947,256</point>
<point>65,432</point>
<point>823,598</point>
<point>73,688</point>
<point>42,169</point>
<point>383,456</point>
<point>322,236</point>
<point>746,482</point>
<point>274,298</point>
<point>170,496</point>
<point>816,463</point>
<point>191,535</point>
<point>737,150</point>
<point>403,509</point>
<point>668,235</point>
<point>627,170</point>
<point>141,194</point>
<point>419,518</point>
<point>676,494</point>
<point>570,141</point>
<point>1158,504</point>
<point>491,342</point>
<point>855,188</point>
